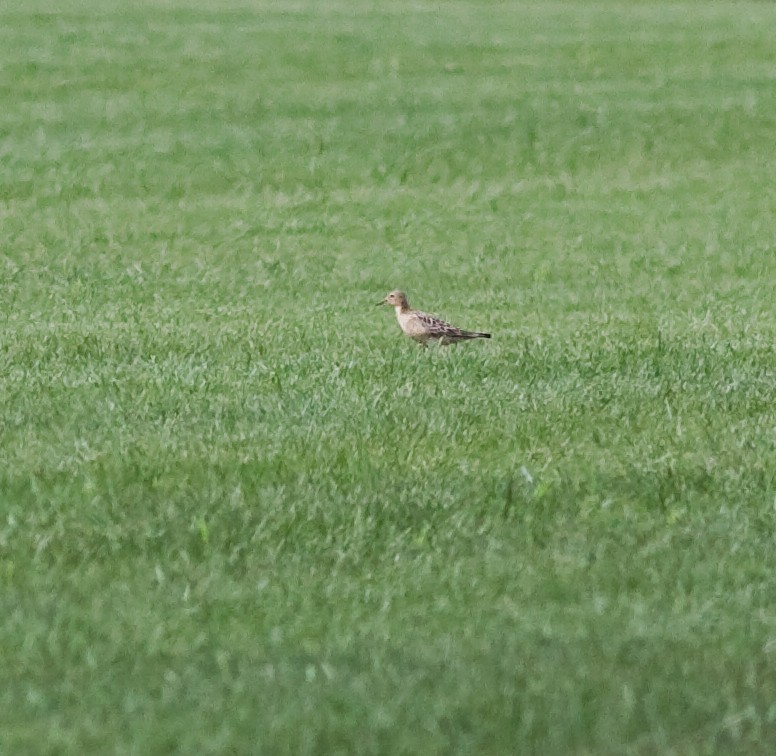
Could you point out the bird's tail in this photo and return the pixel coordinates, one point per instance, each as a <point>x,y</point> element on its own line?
<point>476,335</point>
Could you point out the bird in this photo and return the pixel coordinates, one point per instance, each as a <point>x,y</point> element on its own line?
<point>423,327</point>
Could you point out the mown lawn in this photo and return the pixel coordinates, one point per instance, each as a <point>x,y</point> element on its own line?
<point>241,513</point>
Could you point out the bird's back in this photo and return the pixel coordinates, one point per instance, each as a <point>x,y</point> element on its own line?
<point>424,327</point>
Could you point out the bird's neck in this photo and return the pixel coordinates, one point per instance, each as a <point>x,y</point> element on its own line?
<point>401,309</point>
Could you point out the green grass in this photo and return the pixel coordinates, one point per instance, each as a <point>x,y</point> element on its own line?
<point>240,513</point>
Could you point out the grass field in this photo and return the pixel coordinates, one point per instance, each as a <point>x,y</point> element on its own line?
<point>241,513</point>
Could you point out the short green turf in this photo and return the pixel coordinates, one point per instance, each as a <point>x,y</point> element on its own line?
<point>241,513</point>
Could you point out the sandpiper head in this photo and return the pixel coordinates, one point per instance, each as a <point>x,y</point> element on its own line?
<point>396,299</point>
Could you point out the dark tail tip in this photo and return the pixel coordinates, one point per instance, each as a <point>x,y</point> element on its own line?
<point>484,335</point>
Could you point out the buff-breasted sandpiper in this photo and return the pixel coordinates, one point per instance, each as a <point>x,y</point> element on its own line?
<point>423,327</point>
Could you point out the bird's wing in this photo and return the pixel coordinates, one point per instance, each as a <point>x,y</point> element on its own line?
<point>436,328</point>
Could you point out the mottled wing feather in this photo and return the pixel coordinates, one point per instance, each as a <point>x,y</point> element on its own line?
<point>424,327</point>
<point>438,329</point>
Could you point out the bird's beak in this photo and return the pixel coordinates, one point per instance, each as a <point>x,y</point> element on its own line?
<point>380,303</point>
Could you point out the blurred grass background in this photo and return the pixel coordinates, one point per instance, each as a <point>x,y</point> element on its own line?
<point>239,512</point>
